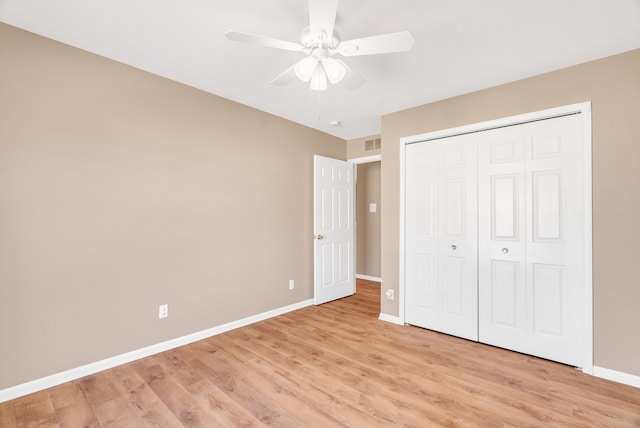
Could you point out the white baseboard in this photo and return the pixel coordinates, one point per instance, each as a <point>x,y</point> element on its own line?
<point>390,318</point>
<point>616,376</point>
<point>98,366</point>
<point>369,278</point>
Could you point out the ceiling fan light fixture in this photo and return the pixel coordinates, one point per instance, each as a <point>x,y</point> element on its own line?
<point>305,68</point>
<point>334,70</point>
<point>319,79</point>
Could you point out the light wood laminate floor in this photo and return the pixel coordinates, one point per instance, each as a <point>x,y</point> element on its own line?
<point>332,365</point>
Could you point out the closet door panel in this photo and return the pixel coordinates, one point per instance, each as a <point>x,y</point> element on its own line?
<point>505,196</point>
<point>454,207</point>
<point>548,299</point>
<point>441,236</point>
<point>505,295</point>
<point>501,235</point>
<point>547,206</point>
<point>458,284</point>
<point>421,236</point>
<point>452,278</point>
<point>555,201</point>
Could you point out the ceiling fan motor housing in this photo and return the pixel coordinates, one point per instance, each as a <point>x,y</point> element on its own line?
<point>312,40</point>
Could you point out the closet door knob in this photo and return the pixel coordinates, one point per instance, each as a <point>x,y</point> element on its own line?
<point>453,247</point>
<point>505,250</point>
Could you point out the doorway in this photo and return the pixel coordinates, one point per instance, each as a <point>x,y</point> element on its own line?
<point>368,214</point>
<point>368,211</point>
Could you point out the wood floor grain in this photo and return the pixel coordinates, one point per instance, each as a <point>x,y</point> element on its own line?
<point>332,365</point>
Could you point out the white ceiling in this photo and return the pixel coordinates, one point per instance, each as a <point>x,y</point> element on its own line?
<point>461,46</point>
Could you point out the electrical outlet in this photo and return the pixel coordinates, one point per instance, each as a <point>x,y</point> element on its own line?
<point>292,284</point>
<point>163,311</point>
<point>389,294</point>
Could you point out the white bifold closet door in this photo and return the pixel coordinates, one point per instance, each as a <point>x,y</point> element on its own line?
<point>531,238</point>
<point>441,236</point>
<point>495,237</point>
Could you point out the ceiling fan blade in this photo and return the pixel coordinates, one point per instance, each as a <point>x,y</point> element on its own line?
<point>285,77</point>
<point>352,79</point>
<point>269,42</point>
<point>322,16</point>
<point>384,43</point>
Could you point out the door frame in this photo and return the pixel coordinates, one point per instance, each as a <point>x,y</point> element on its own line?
<point>584,109</point>
<point>356,162</point>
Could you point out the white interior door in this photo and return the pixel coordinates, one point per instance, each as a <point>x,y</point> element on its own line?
<point>531,223</point>
<point>441,236</point>
<point>334,229</point>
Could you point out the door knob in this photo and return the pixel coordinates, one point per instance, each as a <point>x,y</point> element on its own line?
<point>453,247</point>
<point>319,237</point>
<point>505,250</point>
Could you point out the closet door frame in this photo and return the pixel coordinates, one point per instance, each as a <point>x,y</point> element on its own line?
<point>584,110</point>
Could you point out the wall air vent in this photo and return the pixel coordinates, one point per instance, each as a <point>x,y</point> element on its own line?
<point>373,144</point>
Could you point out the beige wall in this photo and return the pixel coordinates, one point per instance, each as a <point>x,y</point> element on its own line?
<point>121,191</point>
<point>356,147</point>
<point>613,86</point>
<point>368,223</point>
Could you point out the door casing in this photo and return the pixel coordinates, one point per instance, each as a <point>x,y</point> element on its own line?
<point>356,162</point>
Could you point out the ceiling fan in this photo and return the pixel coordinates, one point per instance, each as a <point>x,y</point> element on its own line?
<point>320,42</point>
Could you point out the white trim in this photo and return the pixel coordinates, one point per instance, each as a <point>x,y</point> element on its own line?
<point>497,123</point>
<point>365,159</point>
<point>98,366</point>
<point>369,278</point>
<point>390,318</point>
<point>401,254</point>
<point>587,340</point>
<point>585,113</point>
<point>358,161</point>
<point>616,376</point>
